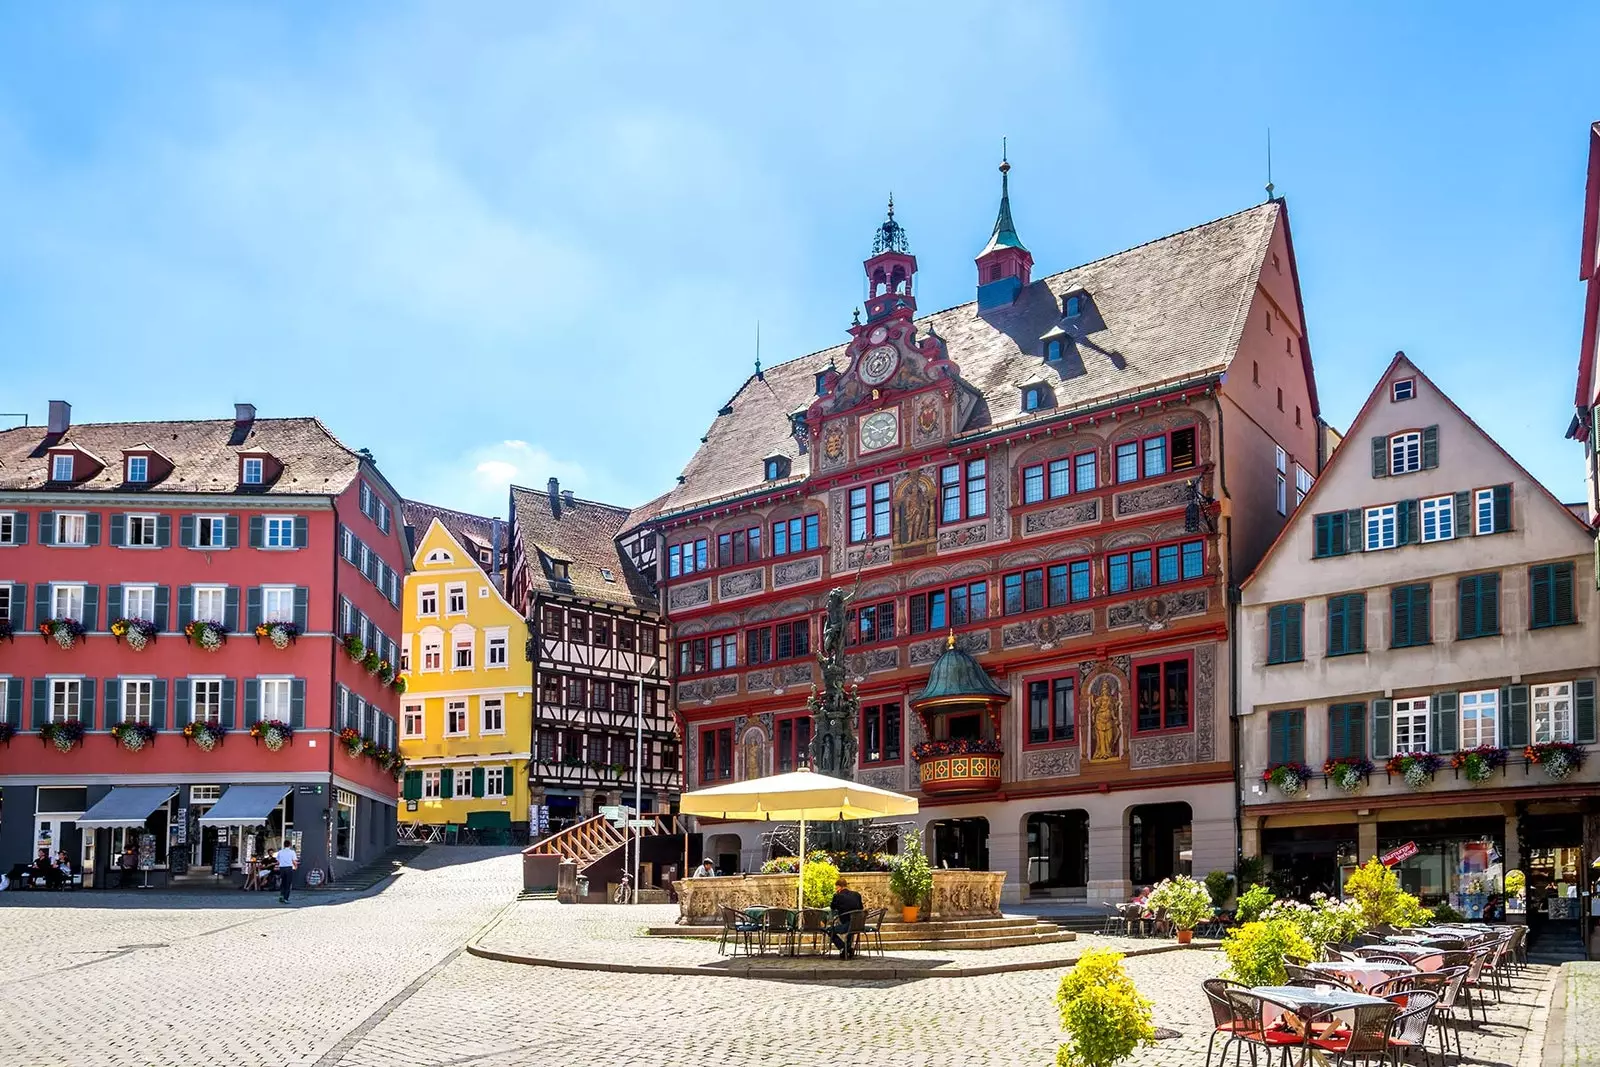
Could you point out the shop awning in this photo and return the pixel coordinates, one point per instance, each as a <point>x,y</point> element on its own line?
<point>126,805</point>
<point>244,805</point>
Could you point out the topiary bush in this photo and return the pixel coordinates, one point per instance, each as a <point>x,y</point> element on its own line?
<point>1102,1012</point>
<point>821,880</point>
<point>1252,902</point>
<point>1256,951</point>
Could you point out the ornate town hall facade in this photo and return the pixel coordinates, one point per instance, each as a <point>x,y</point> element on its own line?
<point>1063,480</point>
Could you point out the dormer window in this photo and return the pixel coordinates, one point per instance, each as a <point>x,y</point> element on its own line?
<point>1404,389</point>
<point>775,468</point>
<point>1074,306</point>
<point>252,471</point>
<point>605,573</point>
<point>1035,397</point>
<point>822,382</point>
<point>558,570</point>
<point>61,467</point>
<point>1052,351</point>
<point>138,469</point>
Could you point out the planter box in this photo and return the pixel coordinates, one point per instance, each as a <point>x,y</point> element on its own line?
<point>960,774</point>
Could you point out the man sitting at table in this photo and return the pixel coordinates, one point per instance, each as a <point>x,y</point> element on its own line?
<point>845,902</point>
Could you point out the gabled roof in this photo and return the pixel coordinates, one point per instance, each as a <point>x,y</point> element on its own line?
<point>471,532</point>
<point>438,534</point>
<point>204,455</point>
<point>1168,311</point>
<point>582,534</point>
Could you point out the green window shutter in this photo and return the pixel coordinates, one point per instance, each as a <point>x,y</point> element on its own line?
<point>1583,717</point>
<point>1514,699</point>
<point>447,783</point>
<point>301,598</point>
<point>1489,603</point>
<point>1444,723</point>
<point>1463,523</point>
<point>163,608</point>
<point>1324,537</point>
<point>1277,737</point>
<point>1354,531</point>
<point>1405,527</point>
<point>1356,716</point>
<point>1430,447</point>
<point>230,694</point>
<point>297,703</point>
<point>163,531</point>
<point>1467,621</point>
<point>252,702</point>
<point>185,607</point>
<point>252,608</point>
<point>13,709</point>
<point>1382,733</point>
<point>230,609</point>
<point>1380,457</point>
<point>1564,606</point>
<point>1275,634</point>
<point>1502,508</point>
<point>477,781</point>
<point>113,699</point>
<point>1338,732</point>
<point>1540,596</point>
<point>91,607</point>
<point>180,702</point>
<point>413,785</point>
<point>113,604</point>
<point>1337,636</point>
<point>510,781</point>
<point>41,702</point>
<point>119,530</point>
<point>158,704</point>
<point>1297,735</point>
<point>21,533</point>
<point>186,531</point>
<point>1421,611</point>
<point>230,524</point>
<point>1400,616</point>
<point>258,531</point>
<point>47,527</point>
<point>86,703</point>
<point>91,528</point>
<point>1293,644</point>
<point>300,531</point>
<point>19,606</point>
<point>42,608</point>
<point>1355,622</point>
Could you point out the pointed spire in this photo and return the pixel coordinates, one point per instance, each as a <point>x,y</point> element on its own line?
<point>891,236</point>
<point>758,351</point>
<point>1005,231</point>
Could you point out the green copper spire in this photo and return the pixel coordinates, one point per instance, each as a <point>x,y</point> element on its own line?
<point>1005,231</point>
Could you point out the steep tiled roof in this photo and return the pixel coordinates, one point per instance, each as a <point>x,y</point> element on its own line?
<point>204,454</point>
<point>584,535</point>
<point>1167,311</point>
<point>474,532</point>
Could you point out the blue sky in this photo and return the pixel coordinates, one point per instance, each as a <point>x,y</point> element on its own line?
<point>496,242</point>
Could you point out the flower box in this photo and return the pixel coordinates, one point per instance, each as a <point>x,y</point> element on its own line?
<point>280,634</point>
<point>64,632</point>
<point>136,632</point>
<point>208,636</point>
<point>1290,779</point>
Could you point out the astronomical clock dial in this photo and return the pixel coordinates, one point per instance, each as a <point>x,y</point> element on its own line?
<point>877,335</point>
<point>879,364</point>
<point>879,430</point>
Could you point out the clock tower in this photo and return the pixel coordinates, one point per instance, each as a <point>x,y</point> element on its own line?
<point>889,272</point>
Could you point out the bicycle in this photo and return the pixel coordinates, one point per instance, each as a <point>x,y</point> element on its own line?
<point>624,891</point>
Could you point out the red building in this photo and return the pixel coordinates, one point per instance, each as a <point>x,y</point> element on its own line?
<point>1039,502</point>
<point>149,573</point>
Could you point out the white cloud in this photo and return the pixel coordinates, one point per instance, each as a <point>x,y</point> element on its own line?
<point>479,480</point>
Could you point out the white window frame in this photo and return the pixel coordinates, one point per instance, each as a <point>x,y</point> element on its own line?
<point>451,591</point>
<point>1283,495</point>
<point>1414,714</point>
<point>497,643</point>
<point>257,466</point>
<point>407,714</point>
<point>1483,511</point>
<point>280,593</point>
<point>199,698</point>
<point>283,526</point>
<point>1302,484</point>
<point>496,705</point>
<point>1408,386</point>
<point>7,607</point>
<point>73,593</point>
<point>494,782</point>
<point>432,652</point>
<point>463,782</point>
<point>77,522</point>
<point>1374,521</point>
<point>430,785</point>
<point>281,690</point>
<point>142,474</point>
<point>66,699</point>
<point>453,708</point>
<point>150,524</point>
<point>130,593</point>
<point>137,703</point>
<point>463,641</point>
<point>216,527</point>
<point>1480,718</point>
<point>428,601</point>
<point>220,592</point>
<point>1405,452</point>
<point>345,800</point>
<point>61,467</point>
<point>1442,510</point>
<point>405,653</point>
<point>1551,702</point>
<point>8,527</point>
<point>205,794</point>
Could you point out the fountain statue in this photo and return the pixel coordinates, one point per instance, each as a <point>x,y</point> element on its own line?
<point>834,710</point>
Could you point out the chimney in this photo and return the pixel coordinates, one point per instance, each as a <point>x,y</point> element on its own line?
<point>494,555</point>
<point>60,416</point>
<point>244,414</point>
<point>566,498</point>
<point>555,497</point>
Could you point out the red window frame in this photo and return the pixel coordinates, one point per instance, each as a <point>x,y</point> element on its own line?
<point>1049,681</point>
<point>810,528</point>
<point>696,551</point>
<point>1043,467</point>
<point>716,754</point>
<point>703,651</point>
<point>961,485</point>
<point>882,626</point>
<point>738,547</point>
<point>1169,450</point>
<point>875,713</point>
<point>1186,658</point>
<point>793,751</point>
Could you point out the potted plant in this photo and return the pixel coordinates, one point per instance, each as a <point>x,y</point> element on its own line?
<point>1102,1012</point>
<point>1256,951</point>
<point>1252,902</point>
<point>205,735</point>
<point>281,634</point>
<point>1287,778</point>
<point>63,735</point>
<point>133,735</point>
<point>385,672</point>
<point>1415,767</point>
<point>399,685</point>
<point>911,877</point>
<point>209,636</point>
<point>7,631</point>
<point>1183,902</point>
<point>7,732</point>
<point>1375,889</point>
<point>350,738</point>
<point>1220,885</point>
<point>369,749</point>
<point>821,879</point>
<point>1479,764</point>
<point>137,632</point>
<point>372,661</point>
<point>1348,773</point>
<point>64,632</point>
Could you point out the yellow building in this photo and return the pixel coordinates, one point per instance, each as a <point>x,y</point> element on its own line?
<point>466,717</point>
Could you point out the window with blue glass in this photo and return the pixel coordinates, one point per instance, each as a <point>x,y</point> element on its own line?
<point>800,534</point>
<point>138,469</point>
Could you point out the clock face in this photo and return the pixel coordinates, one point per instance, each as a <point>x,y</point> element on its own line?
<point>876,336</point>
<point>879,364</point>
<point>879,430</point>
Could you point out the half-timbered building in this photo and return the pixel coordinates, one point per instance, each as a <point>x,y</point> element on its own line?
<point>1061,481</point>
<point>597,651</point>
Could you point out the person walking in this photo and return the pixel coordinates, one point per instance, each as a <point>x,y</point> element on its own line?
<point>288,860</point>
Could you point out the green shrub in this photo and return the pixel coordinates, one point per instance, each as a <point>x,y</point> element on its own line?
<point>1252,902</point>
<point>1102,1012</point>
<point>821,879</point>
<point>1251,872</point>
<point>1256,951</point>
<point>1322,922</point>
<point>1184,902</point>
<point>1516,882</point>
<point>1218,884</point>
<point>911,877</point>
<point>1444,913</point>
<point>1376,891</point>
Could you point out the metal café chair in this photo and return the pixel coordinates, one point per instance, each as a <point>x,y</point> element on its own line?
<point>814,925</point>
<point>1409,1030</point>
<point>1223,1022</point>
<point>1366,1038</point>
<point>737,926</point>
<point>1248,1016</point>
<point>873,930</point>
<point>778,925</point>
<point>1445,985</point>
<point>1116,924</point>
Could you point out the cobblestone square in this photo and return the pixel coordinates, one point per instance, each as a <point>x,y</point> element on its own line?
<point>380,979</point>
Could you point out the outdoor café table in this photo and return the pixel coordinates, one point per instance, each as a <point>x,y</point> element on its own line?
<point>1362,975</point>
<point>1421,956</point>
<point>1306,1000</point>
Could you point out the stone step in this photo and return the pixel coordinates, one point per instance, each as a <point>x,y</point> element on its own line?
<point>925,930</point>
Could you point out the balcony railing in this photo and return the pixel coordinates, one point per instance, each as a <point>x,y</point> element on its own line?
<point>968,766</point>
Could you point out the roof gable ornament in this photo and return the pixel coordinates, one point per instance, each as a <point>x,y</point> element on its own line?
<point>889,271</point>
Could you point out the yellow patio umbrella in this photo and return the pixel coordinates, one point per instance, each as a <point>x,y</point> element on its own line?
<point>799,796</point>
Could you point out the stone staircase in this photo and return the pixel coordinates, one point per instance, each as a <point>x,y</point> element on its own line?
<point>590,843</point>
<point>954,936</point>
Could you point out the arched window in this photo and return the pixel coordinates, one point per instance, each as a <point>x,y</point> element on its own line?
<point>1074,306</point>
<point>1053,350</point>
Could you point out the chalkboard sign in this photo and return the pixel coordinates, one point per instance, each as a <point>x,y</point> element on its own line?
<point>314,877</point>
<point>178,859</point>
<point>180,827</point>
<point>221,858</point>
<point>147,852</point>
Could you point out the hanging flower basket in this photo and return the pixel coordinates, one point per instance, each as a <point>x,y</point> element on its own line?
<point>64,632</point>
<point>63,735</point>
<point>1479,764</point>
<point>383,758</point>
<point>7,732</point>
<point>205,735</point>
<point>369,749</point>
<point>385,672</point>
<point>354,648</point>
<point>350,738</point>
<point>1415,767</point>
<point>399,685</point>
<point>281,634</point>
<point>1558,758</point>
<point>209,636</point>
<point>133,735</point>
<point>1287,778</point>
<point>272,733</point>
<point>1347,773</point>
<point>372,662</point>
<point>7,631</point>
<point>137,632</point>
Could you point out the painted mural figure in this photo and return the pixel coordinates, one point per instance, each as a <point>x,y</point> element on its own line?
<point>915,523</point>
<point>833,710</point>
<point>1105,720</point>
<point>754,746</point>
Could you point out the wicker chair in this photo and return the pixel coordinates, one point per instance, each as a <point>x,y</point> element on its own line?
<point>1378,957</point>
<point>1247,1016</point>
<point>1399,985</point>
<point>738,926</point>
<point>1410,1028</point>
<point>1223,1022</point>
<point>1445,985</point>
<point>1366,1039</point>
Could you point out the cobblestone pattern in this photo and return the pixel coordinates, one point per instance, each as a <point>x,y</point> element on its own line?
<point>1580,1036</point>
